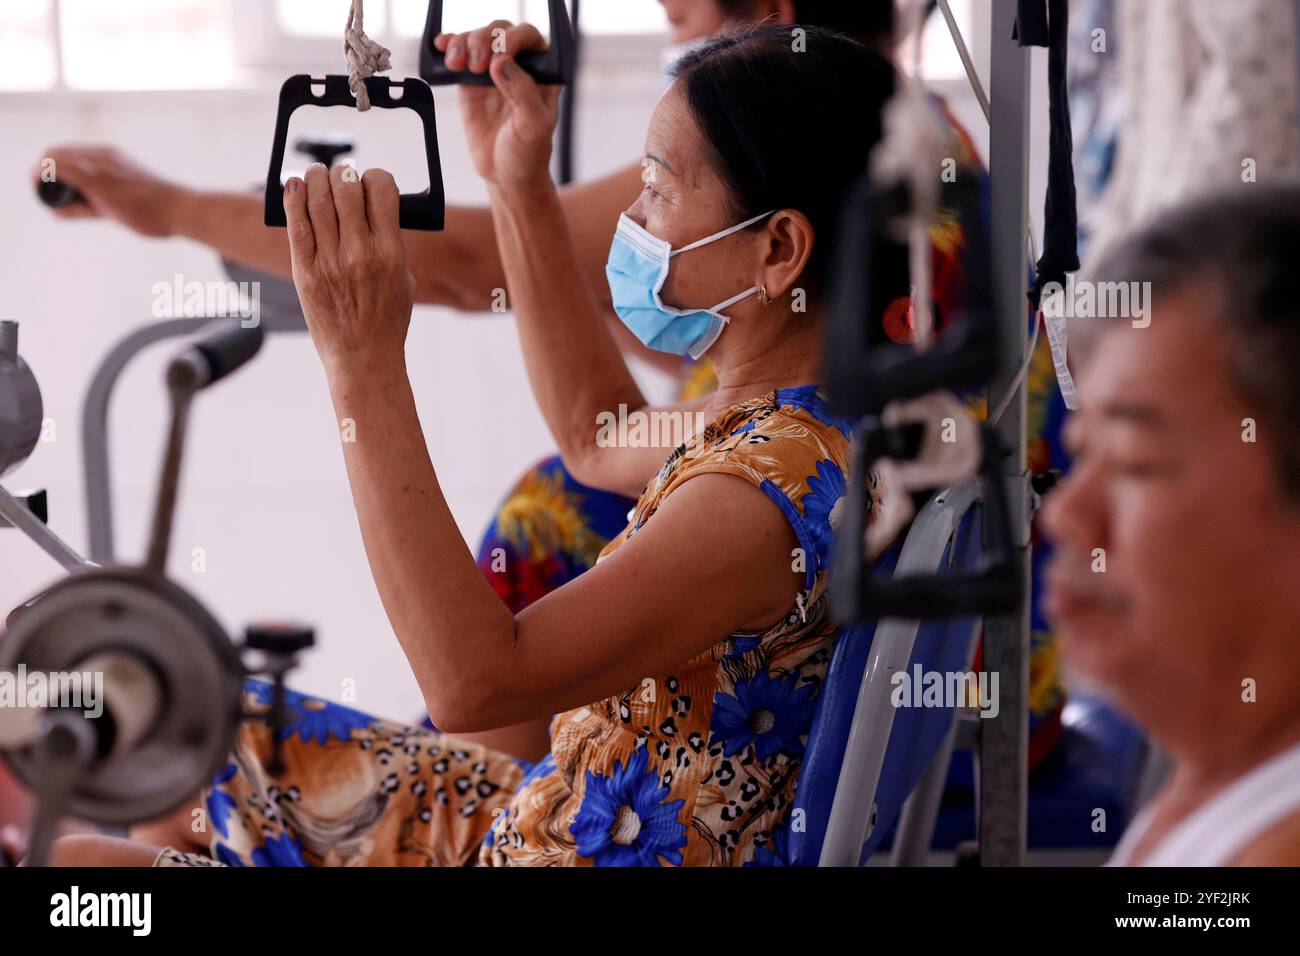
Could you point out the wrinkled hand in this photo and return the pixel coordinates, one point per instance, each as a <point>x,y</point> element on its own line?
<point>510,125</point>
<point>349,266</point>
<point>115,188</point>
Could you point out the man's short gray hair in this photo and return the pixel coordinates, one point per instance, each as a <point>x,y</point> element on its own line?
<point>1244,247</point>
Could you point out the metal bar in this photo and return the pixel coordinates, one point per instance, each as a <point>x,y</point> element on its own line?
<point>57,14</point>
<point>566,130</point>
<point>920,814</point>
<point>183,381</point>
<point>15,513</point>
<point>873,715</point>
<point>1004,740</point>
<point>94,427</point>
<point>1296,3</point>
<point>962,51</point>
<point>853,809</point>
<point>917,821</point>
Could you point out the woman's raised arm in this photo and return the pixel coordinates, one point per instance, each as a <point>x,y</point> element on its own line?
<point>632,616</point>
<point>575,366</point>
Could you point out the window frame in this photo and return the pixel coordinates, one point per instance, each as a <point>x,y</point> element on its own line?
<point>266,47</point>
<point>265,53</point>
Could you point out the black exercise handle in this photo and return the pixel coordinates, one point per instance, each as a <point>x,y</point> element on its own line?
<point>533,62</point>
<point>326,150</point>
<point>222,351</point>
<point>425,210</point>
<point>554,66</point>
<point>859,595</point>
<point>862,375</point>
<point>58,195</point>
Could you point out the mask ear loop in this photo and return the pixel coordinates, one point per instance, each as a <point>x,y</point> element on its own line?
<point>753,290</point>
<point>717,309</point>
<point>721,235</point>
<point>698,351</point>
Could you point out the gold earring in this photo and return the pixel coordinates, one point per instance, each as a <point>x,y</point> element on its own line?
<point>763,297</point>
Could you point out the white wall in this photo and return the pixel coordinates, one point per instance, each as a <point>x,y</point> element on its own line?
<point>264,491</point>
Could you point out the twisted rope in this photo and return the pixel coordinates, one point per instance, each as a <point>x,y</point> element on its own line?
<point>365,56</point>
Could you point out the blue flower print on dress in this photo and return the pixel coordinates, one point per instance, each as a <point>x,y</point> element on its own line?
<point>771,714</point>
<point>826,488</point>
<point>625,819</point>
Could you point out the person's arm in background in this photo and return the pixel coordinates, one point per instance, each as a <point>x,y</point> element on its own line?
<point>459,267</point>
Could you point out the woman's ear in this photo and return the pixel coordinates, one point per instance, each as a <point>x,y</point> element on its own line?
<point>788,245</point>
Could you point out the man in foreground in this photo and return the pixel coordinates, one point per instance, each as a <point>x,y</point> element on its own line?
<point>1176,584</point>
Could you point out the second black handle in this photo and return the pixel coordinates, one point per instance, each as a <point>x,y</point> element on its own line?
<point>57,195</point>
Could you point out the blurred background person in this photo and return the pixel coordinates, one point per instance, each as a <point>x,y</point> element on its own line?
<point>1186,486</point>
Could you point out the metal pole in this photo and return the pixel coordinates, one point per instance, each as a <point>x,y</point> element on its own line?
<point>1296,3</point>
<point>567,128</point>
<point>14,512</point>
<point>1004,740</point>
<point>94,427</point>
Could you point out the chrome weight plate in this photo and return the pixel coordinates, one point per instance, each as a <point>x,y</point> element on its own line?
<point>127,611</point>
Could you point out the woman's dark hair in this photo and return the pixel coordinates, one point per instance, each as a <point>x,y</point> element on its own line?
<point>1241,246</point>
<point>791,120</point>
<point>868,21</point>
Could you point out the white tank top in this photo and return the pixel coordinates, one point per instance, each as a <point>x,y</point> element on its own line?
<point>1218,831</point>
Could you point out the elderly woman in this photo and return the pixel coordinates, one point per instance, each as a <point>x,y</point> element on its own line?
<point>551,526</point>
<point>683,668</point>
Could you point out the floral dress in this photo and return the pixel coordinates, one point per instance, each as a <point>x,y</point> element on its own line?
<point>550,527</point>
<point>696,766</point>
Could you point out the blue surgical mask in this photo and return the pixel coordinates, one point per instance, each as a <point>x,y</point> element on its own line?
<point>637,270</point>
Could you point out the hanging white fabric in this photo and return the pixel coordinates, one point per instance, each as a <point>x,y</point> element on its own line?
<point>1210,94</point>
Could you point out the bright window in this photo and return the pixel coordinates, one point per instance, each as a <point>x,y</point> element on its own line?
<point>314,18</point>
<point>461,15</point>
<point>188,44</point>
<point>606,17</point>
<point>598,16</point>
<point>327,18</point>
<point>146,44</point>
<point>940,59</point>
<point>27,46</point>
<point>409,15</point>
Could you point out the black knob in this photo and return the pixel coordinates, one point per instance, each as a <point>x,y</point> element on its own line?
<point>224,348</point>
<point>36,502</point>
<point>1045,482</point>
<point>324,149</point>
<point>56,195</point>
<point>279,637</point>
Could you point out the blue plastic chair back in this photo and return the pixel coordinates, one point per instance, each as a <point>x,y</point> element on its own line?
<point>941,645</point>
